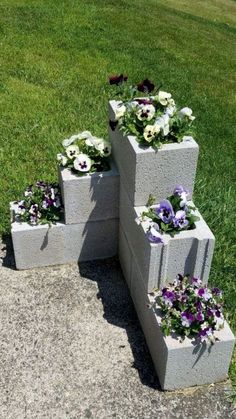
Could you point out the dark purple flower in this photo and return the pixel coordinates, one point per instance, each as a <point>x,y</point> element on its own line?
<point>113,124</point>
<point>179,220</point>
<point>217,292</point>
<point>196,281</point>
<point>117,79</point>
<point>204,293</point>
<point>40,184</point>
<point>144,101</point>
<point>164,211</point>
<point>187,318</point>
<point>168,297</point>
<point>210,313</point>
<point>199,316</point>
<point>145,86</point>
<point>198,305</point>
<point>205,334</point>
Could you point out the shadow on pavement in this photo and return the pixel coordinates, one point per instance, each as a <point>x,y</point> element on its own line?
<point>6,252</point>
<point>119,311</point>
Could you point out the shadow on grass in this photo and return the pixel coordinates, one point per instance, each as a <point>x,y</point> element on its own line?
<point>119,311</point>
<point>6,252</point>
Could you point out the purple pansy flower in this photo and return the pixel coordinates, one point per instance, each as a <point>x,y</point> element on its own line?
<point>196,281</point>
<point>204,293</point>
<point>187,318</point>
<point>154,235</point>
<point>164,211</point>
<point>145,86</point>
<point>205,334</point>
<point>216,291</point>
<point>199,316</point>
<point>168,297</point>
<point>182,193</point>
<point>180,220</point>
<point>117,79</point>
<point>144,101</point>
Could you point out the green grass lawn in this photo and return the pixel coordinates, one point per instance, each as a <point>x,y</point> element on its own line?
<point>55,57</point>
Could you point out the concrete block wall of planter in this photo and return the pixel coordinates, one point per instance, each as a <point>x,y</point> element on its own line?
<point>41,245</point>
<point>180,365</point>
<point>91,197</point>
<point>189,252</point>
<point>145,170</point>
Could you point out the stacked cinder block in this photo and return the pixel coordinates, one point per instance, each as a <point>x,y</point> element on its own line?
<point>90,230</point>
<point>147,265</point>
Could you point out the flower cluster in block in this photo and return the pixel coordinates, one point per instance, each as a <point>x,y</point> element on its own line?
<point>190,309</point>
<point>85,153</point>
<point>154,119</point>
<point>41,204</point>
<point>170,216</point>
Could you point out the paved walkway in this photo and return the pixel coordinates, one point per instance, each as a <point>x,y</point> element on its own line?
<point>71,347</point>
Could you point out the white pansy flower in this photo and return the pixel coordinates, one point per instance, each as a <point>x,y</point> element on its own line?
<point>164,98</point>
<point>104,148</point>
<point>146,112</point>
<point>150,131</point>
<point>68,141</point>
<point>186,113</point>
<point>163,123</point>
<point>119,112</point>
<point>171,108</point>
<point>62,159</point>
<point>93,141</point>
<point>82,163</point>
<point>72,151</point>
<point>19,208</point>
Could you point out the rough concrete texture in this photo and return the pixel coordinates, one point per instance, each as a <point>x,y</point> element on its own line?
<point>71,347</point>
<point>147,171</point>
<point>92,197</point>
<point>189,252</point>
<point>36,246</point>
<point>180,364</point>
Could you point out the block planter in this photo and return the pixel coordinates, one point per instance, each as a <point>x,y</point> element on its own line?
<point>41,245</point>
<point>189,252</point>
<point>180,365</point>
<point>144,170</point>
<point>91,197</point>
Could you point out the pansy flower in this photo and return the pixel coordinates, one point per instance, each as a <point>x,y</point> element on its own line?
<point>117,79</point>
<point>179,220</point>
<point>163,98</point>
<point>146,86</point>
<point>153,234</point>
<point>164,211</point>
<point>150,132</point>
<point>145,112</point>
<point>82,163</point>
<point>72,151</point>
<point>186,113</point>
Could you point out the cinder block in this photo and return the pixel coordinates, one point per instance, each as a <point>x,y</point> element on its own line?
<point>145,170</point>
<point>36,246</point>
<point>125,256</point>
<point>91,197</point>
<point>189,252</point>
<point>180,365</point>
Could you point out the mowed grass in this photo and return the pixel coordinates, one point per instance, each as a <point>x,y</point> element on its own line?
<point>54,61</point>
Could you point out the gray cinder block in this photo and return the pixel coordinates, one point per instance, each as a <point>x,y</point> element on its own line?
<point>180,365</point>
<point>125,256</point>
<point>36,246</point>
<point>91,197</point>
<point>145,170</point>
<point>189,252</point>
